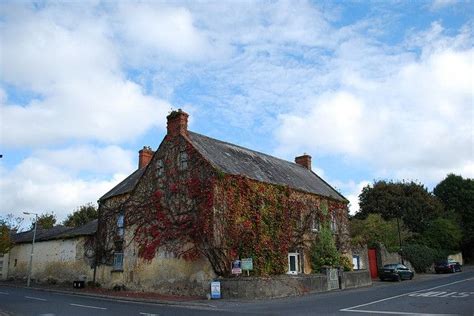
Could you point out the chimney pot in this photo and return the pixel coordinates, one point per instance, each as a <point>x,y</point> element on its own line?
<point>304,160</point>
<point>177,123</point>
<point>144,156</point>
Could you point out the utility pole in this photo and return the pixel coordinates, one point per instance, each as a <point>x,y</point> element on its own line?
<point>400,239</point>
<point>32,247</point>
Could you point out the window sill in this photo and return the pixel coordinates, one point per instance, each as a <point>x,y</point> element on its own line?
<point>116,270</point>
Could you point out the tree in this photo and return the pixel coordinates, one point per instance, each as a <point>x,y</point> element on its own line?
<point>81,216</point>
<point>324,251</point>
<point>457,195</point>
<point>374,230</point>
<point>8,224</point>
<point>45,221</point>
<point>408,201</point>
<point>443,234</point>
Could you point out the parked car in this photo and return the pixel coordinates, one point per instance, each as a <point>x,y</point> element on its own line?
<point>447,266</point>
<point>395,271</point>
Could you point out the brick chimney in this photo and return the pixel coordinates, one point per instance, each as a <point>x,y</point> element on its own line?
<point>304,161</point>
<point>177,123</point>
<point>144,156</point>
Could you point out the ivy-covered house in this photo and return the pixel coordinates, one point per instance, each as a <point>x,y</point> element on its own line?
<point>196,204</point>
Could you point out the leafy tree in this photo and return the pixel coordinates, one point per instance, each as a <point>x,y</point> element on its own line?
<point>8,224</point>
<point>45,221</point>
<point>323,250</point>
<point>81,216</point>
<point>422,256</point>
<point>443,234</point>
<point>408,201</point>
<point>375,230</point>
<point>457,195</point>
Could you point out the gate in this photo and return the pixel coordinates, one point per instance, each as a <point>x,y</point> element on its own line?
<point>373,267</point>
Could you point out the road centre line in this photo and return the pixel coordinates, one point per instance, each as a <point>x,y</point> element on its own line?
<point>87,306</point>
<point>36,298</point>
<point>148,314</point>
<point>351,309</point>
<point>4,293</point>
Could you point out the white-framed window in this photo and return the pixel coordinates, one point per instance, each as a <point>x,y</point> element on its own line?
<point>118,261</point>
<point>355,262</point>
<point>183,160</point>
<point>294,263</point>
<point>333,222</point>
<point>316,224</point>
<point>160,168</point>
<point>121,224</point>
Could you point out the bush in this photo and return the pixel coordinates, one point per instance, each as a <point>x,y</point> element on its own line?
<point>323,251</point>
<point>422,257</point>
<point>345,263</point>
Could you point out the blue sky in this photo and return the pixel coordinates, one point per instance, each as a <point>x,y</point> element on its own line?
<point>372,90</point>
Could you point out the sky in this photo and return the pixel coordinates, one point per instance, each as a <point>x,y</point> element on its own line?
<point>372,90</point>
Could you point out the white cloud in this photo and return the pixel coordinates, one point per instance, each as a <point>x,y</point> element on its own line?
<point>416,122</point>
<point>54,180</point>
<point>73,71</point>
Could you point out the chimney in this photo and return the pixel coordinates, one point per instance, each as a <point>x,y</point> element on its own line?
<point>144,156</point>
<point>304,161</point>
<point>178,123</point>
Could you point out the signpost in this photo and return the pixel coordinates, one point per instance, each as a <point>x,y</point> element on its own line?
<point>247,265</point>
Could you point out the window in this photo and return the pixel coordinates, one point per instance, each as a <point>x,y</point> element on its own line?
<point>120,224</point>
<point>160,168</point>
<point>316,225</point>
<point>333,222</point>
<point>183,160</point>
<point>14,264</point>
<point>293,263</point>
<point>356,262</point>
<point>118,261</point>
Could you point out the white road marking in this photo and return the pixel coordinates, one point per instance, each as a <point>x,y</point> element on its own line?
<point>4,293</point>
<point>35,298</point>
<point>351,309</point>
<point>87,306</point>
<point>148,314</point>
<point>398,313</point>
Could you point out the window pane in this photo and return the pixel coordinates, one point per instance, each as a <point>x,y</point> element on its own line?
<point>292,263</point>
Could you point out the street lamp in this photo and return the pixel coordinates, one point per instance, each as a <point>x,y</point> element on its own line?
<point>32,247</point>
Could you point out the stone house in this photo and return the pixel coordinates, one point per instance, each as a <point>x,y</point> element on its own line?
<point>60,254</point>
<point>197,203</point>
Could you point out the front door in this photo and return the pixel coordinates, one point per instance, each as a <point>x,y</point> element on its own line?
<point>373,267</point>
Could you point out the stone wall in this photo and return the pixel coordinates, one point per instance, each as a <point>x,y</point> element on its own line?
<point>288,285</point>
<point>272,287</point>
<point>355,279</point>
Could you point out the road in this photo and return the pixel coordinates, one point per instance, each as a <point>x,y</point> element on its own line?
<point>448,294</point>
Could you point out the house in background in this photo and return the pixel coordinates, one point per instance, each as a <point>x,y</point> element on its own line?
<point>60,254</point>
<point>197,203</point>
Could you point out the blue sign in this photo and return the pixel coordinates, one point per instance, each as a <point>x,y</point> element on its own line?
<point>215,290</point>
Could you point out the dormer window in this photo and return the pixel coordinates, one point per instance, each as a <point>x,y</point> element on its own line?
<point>160,168</point>
<point>183,160</point>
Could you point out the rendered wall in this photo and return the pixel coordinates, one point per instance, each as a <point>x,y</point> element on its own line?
<point>59,260</point>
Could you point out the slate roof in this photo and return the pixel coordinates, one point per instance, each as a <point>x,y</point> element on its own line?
<point>233,159</point>
<point>125,186</point>
<point>237,160</point>
<point>57,232</point>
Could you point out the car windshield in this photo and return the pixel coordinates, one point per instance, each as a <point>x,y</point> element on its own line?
<point>390,266</point>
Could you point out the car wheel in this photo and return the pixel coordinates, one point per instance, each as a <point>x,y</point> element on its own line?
<point>399,278</point>
<point>437,271</point>
<point>411,277</point>
<point>382,279</point>
<point>453,269</point>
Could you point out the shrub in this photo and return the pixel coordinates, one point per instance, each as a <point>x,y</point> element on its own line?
<point>345,263</point>
<point>323,251</point>
<point>422,257</point>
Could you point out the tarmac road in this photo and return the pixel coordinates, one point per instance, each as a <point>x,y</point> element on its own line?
<point>447,294</point>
